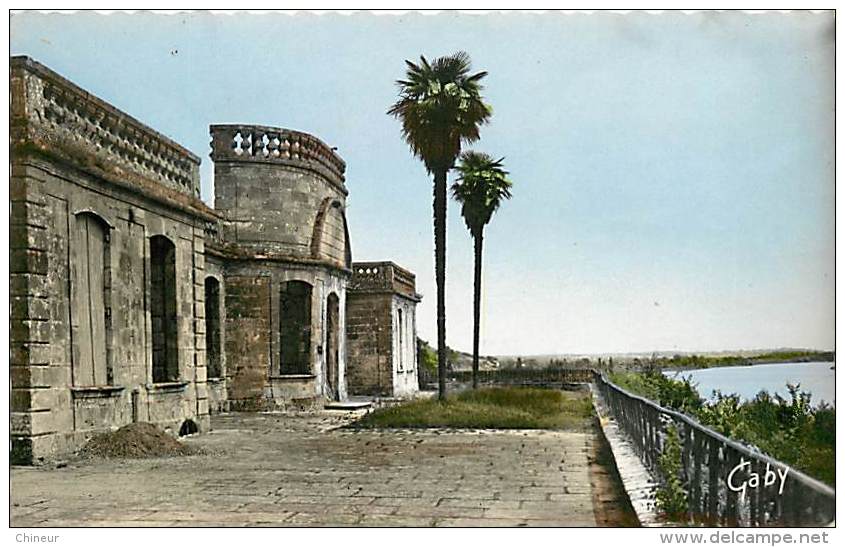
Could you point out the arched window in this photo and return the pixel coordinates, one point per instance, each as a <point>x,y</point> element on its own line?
<point>330,237</point>
<point>90,284</point>
<point>295,328</point>
<point>212,328</point>
<point>163,310</point>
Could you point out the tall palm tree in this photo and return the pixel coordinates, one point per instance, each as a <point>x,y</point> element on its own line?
<point>441,108</point>
<point>481,187</point>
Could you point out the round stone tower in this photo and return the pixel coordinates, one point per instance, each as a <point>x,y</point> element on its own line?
<point>282,192</point>
<point>285,256</point>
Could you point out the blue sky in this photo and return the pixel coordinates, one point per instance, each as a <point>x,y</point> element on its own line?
<point>673,174</point>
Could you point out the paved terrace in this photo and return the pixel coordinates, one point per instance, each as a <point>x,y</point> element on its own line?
<point>289,470</point>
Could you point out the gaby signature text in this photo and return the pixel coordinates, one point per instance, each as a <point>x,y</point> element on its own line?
<point>754,480</point>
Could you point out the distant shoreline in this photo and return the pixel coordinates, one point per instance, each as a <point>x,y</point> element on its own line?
<point>752,363</point>
<point>674,362</point>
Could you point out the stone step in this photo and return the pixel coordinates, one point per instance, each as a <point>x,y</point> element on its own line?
<point>348,405</point>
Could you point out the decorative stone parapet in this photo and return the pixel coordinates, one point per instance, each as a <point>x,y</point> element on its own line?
<point>274,145</point>
<point>58,117</point>
<point>383,277</point>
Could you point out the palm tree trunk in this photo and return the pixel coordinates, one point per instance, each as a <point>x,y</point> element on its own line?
<point>440,275</point>
<point>476,307</point>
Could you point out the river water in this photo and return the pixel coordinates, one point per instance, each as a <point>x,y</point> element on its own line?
<point>815,378</point>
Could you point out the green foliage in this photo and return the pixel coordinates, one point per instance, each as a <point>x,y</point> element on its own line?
<point>707,361</point>
<point>679,395</point>
<point>795,356</point>
<point>481,187</point>
<point>452,356</point>
<point>671,496</point>
<point>440,107</point>
<point>427,356</point>
<point>499,408</point>
<point>788,429</point>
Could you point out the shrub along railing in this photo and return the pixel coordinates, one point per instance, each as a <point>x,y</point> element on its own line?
<point>709,460</point>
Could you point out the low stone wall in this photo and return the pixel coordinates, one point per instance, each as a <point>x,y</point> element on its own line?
<point>522,377</point>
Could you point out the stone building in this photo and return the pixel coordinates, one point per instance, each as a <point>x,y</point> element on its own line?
<point>381,329</point>
<point>283,252</point>
<point>131,300</point>
<point>107,322</point>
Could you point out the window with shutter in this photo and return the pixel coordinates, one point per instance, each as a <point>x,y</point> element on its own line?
<point>88,282</point>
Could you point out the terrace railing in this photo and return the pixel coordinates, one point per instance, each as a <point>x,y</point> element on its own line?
<point>549,377</point>
<point>708,458</point>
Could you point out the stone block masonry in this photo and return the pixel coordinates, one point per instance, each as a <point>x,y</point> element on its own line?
<point>370,340</point>
<point>131,300</point>
<point>286,259</point>
<point>381,330</point>
<point>95,196</point>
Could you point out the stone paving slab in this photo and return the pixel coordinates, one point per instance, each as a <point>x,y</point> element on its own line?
<point>274,469</point>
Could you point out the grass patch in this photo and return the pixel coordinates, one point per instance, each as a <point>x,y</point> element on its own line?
<point>489,408</point>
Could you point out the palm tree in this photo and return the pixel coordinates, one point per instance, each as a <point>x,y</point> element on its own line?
<point>481,187</point>
<point>441,108</point>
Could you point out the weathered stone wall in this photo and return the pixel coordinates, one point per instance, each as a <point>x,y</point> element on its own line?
<point>130,300</point>
<point>253,336</point>
<point>285,200</point>
<point>381,331</point>
<point>369,335</point>
<point>248,334</point>
<point>83,211</point>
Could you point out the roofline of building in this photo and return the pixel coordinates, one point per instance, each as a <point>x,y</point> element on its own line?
<point>28,63</point>
<point>383,263</point>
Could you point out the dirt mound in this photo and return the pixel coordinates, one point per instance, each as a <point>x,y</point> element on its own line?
<point>141,440</point>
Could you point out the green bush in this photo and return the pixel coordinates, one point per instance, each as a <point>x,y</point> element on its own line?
<point>707,361</point>
<point>671,496</point>
<point>679,395</point>
<point>788,429</point>
<point>427,356</point>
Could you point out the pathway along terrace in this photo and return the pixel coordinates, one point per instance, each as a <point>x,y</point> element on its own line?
<point>301,470</point>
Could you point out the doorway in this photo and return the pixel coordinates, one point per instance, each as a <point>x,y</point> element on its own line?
<point>332,342</point>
